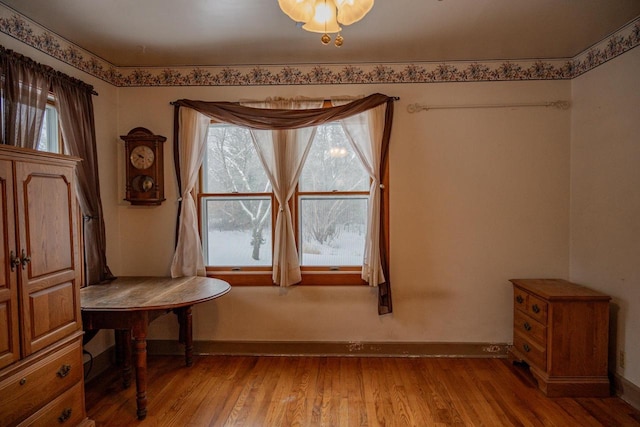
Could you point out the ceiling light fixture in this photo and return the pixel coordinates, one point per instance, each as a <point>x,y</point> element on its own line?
<point>326,16</point>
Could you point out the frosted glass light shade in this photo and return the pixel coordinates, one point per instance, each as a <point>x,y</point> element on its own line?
<point>324,18</point>
<point>315,13</point>
<point>350,11</point>
<point>298,10</point>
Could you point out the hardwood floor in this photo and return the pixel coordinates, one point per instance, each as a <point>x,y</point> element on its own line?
<point>341,391</point>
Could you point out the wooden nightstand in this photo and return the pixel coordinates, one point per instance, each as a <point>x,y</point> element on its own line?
<point>561,330</point>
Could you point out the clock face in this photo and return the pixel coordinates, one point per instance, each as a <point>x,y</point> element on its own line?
<point>142,157</point>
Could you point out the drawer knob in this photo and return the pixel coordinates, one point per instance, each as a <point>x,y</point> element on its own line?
<point>535,308</point>
<point>519,299</point>
<point>23,381</point>
<point>64,371</point>
<point>65,415</point>
<point>526,326</point>
<point>526,348</point>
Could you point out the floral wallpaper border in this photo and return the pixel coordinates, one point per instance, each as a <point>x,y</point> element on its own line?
<point>36,36</point>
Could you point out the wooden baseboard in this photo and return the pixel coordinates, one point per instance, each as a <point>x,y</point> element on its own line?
<point>627,391</point>
<point>360,349</point>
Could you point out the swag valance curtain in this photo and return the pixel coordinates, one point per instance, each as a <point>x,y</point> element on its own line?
<point>367,124</point>
<point>25,87</point>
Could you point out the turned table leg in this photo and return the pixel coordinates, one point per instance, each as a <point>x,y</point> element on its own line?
<point>185,320</point>
<point>140,352</point>
<point>123,354</point>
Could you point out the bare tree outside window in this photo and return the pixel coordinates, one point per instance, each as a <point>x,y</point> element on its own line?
<point>244,217</point>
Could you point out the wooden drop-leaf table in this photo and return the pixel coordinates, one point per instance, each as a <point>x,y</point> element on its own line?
<point>129,304</point>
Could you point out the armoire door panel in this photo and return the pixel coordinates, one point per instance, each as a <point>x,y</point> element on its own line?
<point>9,329</point>
<point>47,223</point>
<point>9,343</point>
<point>55,308</point>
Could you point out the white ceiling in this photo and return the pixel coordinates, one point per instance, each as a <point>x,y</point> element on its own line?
<point>244,32</point>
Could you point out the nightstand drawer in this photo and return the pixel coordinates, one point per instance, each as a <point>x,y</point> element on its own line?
<point>530,328</point>
<point>530,304</point>
<point>537,309</point>
<point>532,353</point>
<point>30,389</point>
<point>520,299</point>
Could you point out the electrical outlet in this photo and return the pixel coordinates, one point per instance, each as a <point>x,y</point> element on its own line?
<point>621,359</point>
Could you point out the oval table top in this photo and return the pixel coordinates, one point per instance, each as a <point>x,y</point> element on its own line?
<point>134,293</point>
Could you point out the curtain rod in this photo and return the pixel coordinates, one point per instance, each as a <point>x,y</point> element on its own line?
<point>560,105</point>
<point>395,98</point>
<point>44,69</point>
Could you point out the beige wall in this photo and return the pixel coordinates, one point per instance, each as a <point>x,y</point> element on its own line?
<point>478,196</point>
<point>605,197</point>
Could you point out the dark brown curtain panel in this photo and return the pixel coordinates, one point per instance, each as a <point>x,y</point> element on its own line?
<point>270,119</point>
<point>274,119</point>
<point>385,305</point>
<point>75,107</point>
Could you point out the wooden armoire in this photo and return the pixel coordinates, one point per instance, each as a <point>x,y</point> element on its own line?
<point>41,368</point>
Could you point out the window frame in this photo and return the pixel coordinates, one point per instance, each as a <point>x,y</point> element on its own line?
<point>311,275</point>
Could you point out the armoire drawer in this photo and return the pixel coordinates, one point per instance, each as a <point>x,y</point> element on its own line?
<point>25,392</point>
<point>66,410</point>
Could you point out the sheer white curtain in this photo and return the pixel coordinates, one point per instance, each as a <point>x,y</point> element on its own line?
<point>365,131</point>
<point>282,153</point>
<point>188,259</point>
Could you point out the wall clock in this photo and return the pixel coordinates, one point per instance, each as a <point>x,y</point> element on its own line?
<point>144,167</point>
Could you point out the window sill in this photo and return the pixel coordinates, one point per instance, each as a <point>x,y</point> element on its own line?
<point>315,278</point>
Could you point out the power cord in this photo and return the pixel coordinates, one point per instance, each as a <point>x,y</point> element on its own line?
<point>88,371</point>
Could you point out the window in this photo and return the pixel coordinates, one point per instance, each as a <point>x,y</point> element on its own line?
<point>50,134</point>
<point>282,138</point>
<point>237,201</point>
<point>50,137</point>
<point>332,202</point>
<point>237,209</point>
